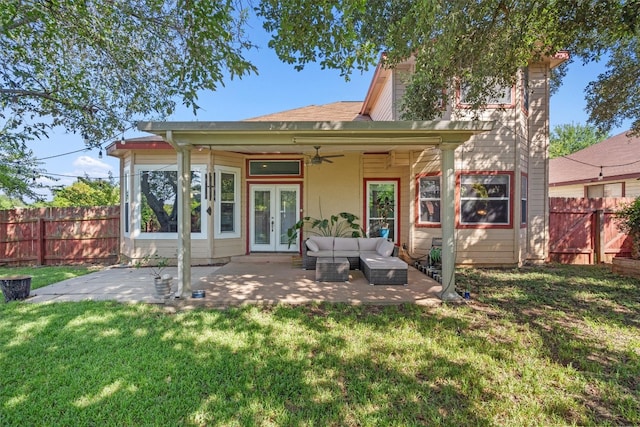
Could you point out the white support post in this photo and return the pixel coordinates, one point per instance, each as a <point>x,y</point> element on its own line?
<point>184,222</point>
<point>448,222</point>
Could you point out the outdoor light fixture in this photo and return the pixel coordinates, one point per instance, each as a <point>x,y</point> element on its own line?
<point>100,153</point>
<point>600,176</point>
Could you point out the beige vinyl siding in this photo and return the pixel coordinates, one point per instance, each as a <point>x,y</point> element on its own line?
<point>479,246</point>
<point>632,188</point>
<point>225,248</point>
<point>538,168</point>
<point>375,166</point>
<point>575,190</point>
<point>383,107</point>
<point>400,78</point>
<point>331,188</point>
<point>491,151</point>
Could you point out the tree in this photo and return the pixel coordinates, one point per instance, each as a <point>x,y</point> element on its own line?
<point>87,192</point>
<point>480,43</point>
<point>95,67</point>
<point>569,138</point>
<point>19,172</point>
<point>8,203</point>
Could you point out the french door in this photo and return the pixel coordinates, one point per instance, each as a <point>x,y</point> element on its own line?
<point>273,209</point>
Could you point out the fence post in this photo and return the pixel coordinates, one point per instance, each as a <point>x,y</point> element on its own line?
<point>599,236</point>
<point>40,241</point>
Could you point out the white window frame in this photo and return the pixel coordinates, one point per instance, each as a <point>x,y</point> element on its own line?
<point>369,218</point>
<point>422,198</point>
<point>126,203</point>
<point>137,220</point>
<point>218,233</point>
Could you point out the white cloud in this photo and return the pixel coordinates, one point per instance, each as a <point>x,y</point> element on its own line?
<point>86,165</point>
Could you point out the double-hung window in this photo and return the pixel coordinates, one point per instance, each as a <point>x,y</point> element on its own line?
<point>429,200</point>
<point>485,199</point>
<point>227,202</point>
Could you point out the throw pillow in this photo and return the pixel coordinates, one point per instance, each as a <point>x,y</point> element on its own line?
<point>312,246</point>
<point>385,249</point>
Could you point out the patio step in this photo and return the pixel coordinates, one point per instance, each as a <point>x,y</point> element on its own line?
<point>264,258</point>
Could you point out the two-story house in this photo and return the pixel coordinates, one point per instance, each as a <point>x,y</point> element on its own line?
<point>479,182</point>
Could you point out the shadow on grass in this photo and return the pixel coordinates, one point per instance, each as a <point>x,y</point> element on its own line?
<point>588,320</point>
<point>536,347</point>
<point>105,363</point>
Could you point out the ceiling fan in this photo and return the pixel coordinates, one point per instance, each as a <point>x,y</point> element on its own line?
<point>318,159</point>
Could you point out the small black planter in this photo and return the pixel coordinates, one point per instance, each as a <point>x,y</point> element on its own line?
<point>15,287</point>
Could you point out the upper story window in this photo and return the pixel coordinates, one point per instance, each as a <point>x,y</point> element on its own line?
<point>501,96</point>
<point>485,199</point>
<point>429,199</point>
<point>156,215</point>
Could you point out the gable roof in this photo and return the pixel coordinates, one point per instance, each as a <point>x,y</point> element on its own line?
<point>619,157</point>
<point>342,111</point>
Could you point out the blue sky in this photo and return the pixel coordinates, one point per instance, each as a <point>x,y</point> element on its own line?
<point>279,87</point>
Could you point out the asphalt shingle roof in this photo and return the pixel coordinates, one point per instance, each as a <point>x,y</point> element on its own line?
<point>618,156</point>
<point>342,111</point>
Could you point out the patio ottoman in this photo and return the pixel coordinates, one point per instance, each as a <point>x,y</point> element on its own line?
<point>332,270</point>
<point>384,270</point>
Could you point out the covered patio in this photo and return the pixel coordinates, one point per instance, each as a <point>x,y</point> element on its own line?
<point>302,137</point>
<point>251,279</point>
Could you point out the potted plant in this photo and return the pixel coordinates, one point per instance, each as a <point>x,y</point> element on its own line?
<point>384,208</point>
<point>157,264</point>
<point>629,222</point>
<point>340,225</point>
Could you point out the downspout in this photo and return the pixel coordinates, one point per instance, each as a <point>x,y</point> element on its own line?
<point>183,154</point>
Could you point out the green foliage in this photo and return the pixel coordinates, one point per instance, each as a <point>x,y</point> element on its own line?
<point>96,67</point>
<point>155,262</point>
<point>9,203</point>
<point>18,169</point>
<point>629,216</point>
<point>482,43</point>
<point>568,138</point>
<point>87,192</point>
<point>341,225</point>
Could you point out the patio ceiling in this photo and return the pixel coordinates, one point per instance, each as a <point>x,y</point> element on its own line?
<point>300,137</point>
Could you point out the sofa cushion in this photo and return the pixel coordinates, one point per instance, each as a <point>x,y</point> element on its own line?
<point>385,248</point>
<point>324,243</point>
<point>366,244</point>
<point>321,254</point>
<point>345,244</point>
<point>312,246</point>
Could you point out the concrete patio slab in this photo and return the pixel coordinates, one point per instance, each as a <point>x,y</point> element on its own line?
<point>253,279</point>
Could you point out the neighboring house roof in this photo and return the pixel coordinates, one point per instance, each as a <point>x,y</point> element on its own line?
<point>342,111</point>
<point>619,157</point>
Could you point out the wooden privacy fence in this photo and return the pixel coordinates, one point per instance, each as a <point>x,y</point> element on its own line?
<point>584,231</point>
<point>53,236</point>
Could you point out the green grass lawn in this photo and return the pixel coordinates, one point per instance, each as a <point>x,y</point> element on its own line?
<point>540,346</point>
<point>46,275</point>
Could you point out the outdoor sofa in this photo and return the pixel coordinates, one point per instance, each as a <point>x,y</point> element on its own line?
<point>376,257</point>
